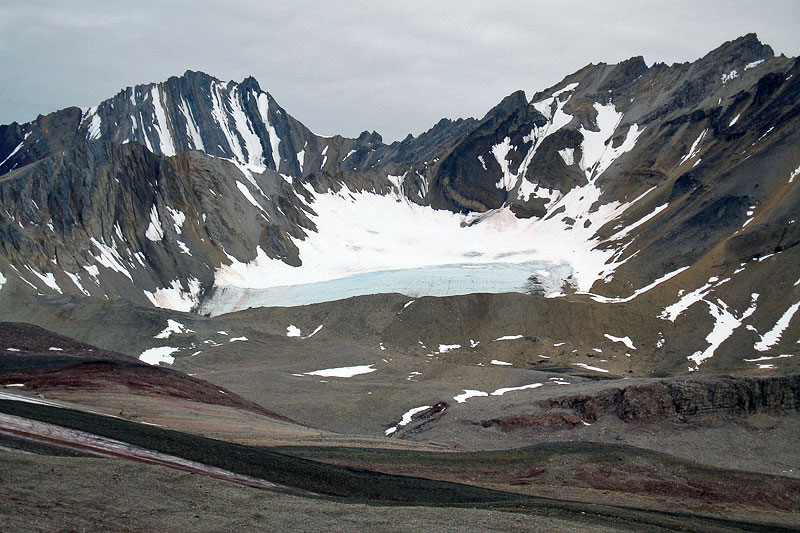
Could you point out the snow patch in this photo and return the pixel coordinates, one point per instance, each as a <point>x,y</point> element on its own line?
<point>794,174</point>
<point>725,323</point>
<point>528,188</point>
<point>274,140</point>
<point>48,279</point>
<point>627,229</point>
<point>753,64</point>
<point>469,393</point>
<point>500,152</point>
<point>15,150</point>
<point>769,358</point>
<point>110,258</point>
<point>75,279</point>
<point>248,195</point>
<point>175,297</point>
<point>597,153</point>
<point>500,392</point>
<point>318,328</point>
<point>156,356</point>
<point>624,340</point>
<point>154,231</point>
<point>178,218</point>
<point>95,125</point>
<point>587,367</point>
<point>406,418</point>
<point>499,363</point>
<point>397,182</point>
<point>252,143</point>
<point>672,312</point>
<point>294,331</point>
<point>659,281</point>
<point>729,76</point>
<point>444,348</point>
<point>771,338</point>
<point>695,149</point>
<point>568,155</point>
<point>509,337</point>
<point>172,327</point>
<point>160,124</point>
<point>220,116</point>
<point>191,126</point>
<point>342,372</point>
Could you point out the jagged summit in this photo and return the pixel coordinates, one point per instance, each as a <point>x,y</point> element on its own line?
<point>507,104</point>
<point>745,48</point>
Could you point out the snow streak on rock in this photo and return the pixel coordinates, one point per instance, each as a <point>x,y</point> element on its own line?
<point>725,323</point>
<point>773,336</point>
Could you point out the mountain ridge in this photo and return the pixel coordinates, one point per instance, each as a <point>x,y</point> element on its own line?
<point>619,178</point>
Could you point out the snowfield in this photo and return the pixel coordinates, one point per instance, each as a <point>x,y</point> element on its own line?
<point>368,243</point>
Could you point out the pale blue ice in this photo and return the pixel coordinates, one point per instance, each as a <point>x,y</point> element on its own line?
<point>444,280</point>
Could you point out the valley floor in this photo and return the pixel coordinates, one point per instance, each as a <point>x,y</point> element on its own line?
<point>396,429</point>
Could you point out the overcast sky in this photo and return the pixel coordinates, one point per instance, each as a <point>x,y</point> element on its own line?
<point>344,67</point>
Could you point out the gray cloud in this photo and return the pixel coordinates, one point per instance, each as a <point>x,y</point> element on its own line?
<point>346,67</point>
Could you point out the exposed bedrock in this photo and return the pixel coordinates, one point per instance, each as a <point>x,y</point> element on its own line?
<point>688,400</point>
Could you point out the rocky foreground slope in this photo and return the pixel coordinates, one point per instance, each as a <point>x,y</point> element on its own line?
<point>668,190</point>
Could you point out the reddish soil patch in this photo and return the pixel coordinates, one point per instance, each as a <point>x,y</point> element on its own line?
<point>545,421</point>
<point>79,366</point>
<point>766,491</point>
<point>136,378</point>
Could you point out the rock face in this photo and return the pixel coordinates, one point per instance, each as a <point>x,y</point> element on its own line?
<point>466,179</point>
<point>148,194</point>
<point>687,399</point>
<point>119,219</point>
<point>698,401</point>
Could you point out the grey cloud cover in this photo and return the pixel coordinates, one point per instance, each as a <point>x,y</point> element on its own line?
<point>346,67</point>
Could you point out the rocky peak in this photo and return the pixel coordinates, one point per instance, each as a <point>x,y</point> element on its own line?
<point>511,103</point>
<point>370,138</point>
<point>624,73</point>
<point>746,47</point>
<point>250,84</point>
<point>733,55</point>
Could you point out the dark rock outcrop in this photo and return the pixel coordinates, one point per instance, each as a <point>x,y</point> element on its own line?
<point>687,399</point>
